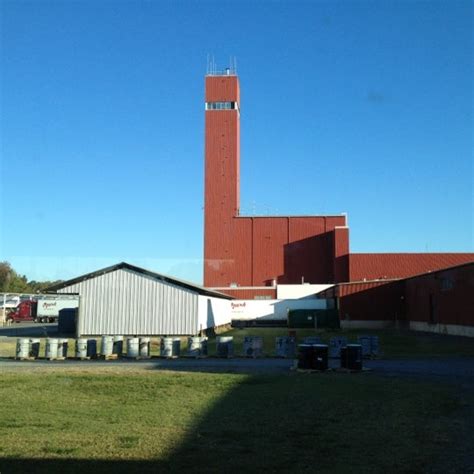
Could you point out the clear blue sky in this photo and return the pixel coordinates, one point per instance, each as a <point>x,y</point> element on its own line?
<point>357,107</point>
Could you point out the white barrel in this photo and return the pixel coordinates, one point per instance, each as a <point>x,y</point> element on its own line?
<point>197,346</point>
<point>285,346</point>
<point>133,346</point>
<point>170,346</point>
<point>35,348</point>
<point>118,345</point>
<point>225,346</point>
<point>107,346</point>
<point>22,348</point>
<point>253,346</point>
<point>144,346</point>
<point>335,346</point>
<point>51,349</point>
<point>62,348</point>
<point>81,348</point>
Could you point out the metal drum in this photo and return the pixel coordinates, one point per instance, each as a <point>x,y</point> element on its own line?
<point>118,346</point>
<point>225,346</point>
<point>366,344</point>
<point>170,347</point>
<point>35,348</point>
<point>107,346</point>
<point>51,349</point>
<point>133,346</point>
<point>374,345</point>
<point>81,348</point>
<point>305,356</point>
<point>320,357</point>
<point>22,348</point>
<point>62,348</point>
<point>144,346</point>
<point>91,348</point>
<point>197,346</point>
<point>335,346</point>
<point>285,346</point>
<point>253,346</point>
<point>354,357</point>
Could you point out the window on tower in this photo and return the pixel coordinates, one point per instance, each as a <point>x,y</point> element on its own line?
<point>221,106</point>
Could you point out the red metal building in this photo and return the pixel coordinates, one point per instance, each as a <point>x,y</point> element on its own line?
<point>255,252</point>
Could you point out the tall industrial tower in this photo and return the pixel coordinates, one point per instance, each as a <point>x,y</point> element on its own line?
<point>256,251</point>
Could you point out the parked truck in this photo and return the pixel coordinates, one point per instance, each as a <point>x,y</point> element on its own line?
<point>41,310</point>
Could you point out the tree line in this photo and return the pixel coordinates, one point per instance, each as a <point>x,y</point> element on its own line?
<point>13,282</point>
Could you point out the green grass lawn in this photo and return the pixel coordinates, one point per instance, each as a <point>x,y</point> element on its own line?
<point>107,420</point>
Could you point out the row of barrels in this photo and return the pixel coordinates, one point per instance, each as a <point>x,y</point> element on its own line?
<point>140,347</point>
<point>315,357</point>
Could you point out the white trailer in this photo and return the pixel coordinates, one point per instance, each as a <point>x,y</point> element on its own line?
<point>49,307</point>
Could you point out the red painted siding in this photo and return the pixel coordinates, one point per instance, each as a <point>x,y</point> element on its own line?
<point>222,89</point>
<point>445,297</point>
<point>252,251</point>
<point>371,266</point>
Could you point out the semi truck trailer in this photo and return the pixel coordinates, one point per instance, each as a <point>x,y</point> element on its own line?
<point>41,310</point>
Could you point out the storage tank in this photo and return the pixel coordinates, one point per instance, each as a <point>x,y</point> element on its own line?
<point>285,346</point>
<point>51,349</point>
<point>335,346</point>
<point>22,348</point>
<point>305,356</point>
<point>62,348</point>
<point>351,357</point>
<point>170,347</point>
<point>144,347</point>
<point>118,346</point>
<point>91,348</point>
<point>253,346</point>
<point>107,346</point>
<point>81,348</point>
<point>35,348</point>
<point>197,346</point>
<point>133,347</point>
<point>320,357</point>
<point>225,346</point>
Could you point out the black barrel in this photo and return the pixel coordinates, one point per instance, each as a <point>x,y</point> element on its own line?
<point>91,348</point>
<point>320,357</point>
<point>344,357</point>
<point>305,356</point>
<point>354,356</point>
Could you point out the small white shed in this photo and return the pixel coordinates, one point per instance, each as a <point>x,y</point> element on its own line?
<point>128,300</point>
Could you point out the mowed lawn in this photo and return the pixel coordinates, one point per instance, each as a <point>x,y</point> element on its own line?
<point>129,420</point>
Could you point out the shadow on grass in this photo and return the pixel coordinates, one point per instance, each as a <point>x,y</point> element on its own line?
<point>290,423</point>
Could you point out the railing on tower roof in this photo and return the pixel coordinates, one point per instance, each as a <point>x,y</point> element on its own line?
<point>212,69</point>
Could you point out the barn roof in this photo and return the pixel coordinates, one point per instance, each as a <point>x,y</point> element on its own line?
<point>156,276</point>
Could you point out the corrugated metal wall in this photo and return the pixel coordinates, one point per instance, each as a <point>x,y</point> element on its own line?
<point>129,303</point>
<point>372,266</point>
<point>252,251</point>
<point>444,297</point>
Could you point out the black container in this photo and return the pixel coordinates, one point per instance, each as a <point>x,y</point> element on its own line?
<point>91,348</point>
<point>344,357</point>
<point>320,357</point>
<point>305,356</point>
<point>354,357</point>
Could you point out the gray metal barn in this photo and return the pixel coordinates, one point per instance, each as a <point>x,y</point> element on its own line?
<point>128,300</point>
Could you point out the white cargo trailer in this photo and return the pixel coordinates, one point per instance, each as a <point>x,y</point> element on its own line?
<point>49,307</point>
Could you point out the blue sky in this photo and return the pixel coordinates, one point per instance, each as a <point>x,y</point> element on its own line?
<point>357,107</point>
